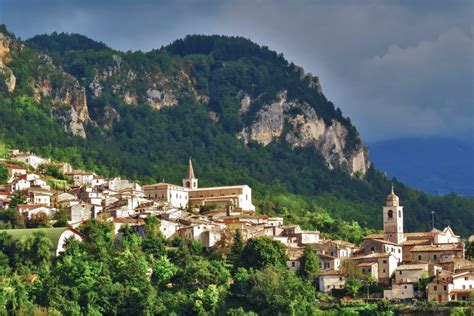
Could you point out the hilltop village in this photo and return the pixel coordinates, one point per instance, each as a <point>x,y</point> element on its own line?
<point>429,265</point>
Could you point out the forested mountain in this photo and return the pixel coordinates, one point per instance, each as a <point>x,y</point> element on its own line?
<point>243,112</point>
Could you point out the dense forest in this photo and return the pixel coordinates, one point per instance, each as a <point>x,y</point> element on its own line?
<point>148,145</point>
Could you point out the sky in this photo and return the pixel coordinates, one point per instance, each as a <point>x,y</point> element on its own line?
<point>396,68</point>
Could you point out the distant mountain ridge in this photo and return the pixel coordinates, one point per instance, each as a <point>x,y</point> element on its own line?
<point>437,165</point>
<point>243,112</point>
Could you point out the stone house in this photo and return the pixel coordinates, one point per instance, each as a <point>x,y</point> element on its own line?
<point>329,280</point>
<point>387,263</point>
<point>437,253</point>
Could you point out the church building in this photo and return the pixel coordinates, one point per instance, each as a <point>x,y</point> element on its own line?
<point>239,197</point>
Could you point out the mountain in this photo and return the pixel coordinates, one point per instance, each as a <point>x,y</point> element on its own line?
<point>436,165</point>
<point>243,112</point>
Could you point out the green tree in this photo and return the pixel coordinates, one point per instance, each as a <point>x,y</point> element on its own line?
<point>352,285</point>
<point>154,242</point>
<point>61,218</point>
<point>163,271</point>
<point>277,291</point>
<point>17,198</point>
<point>40,219</point>
<point>34,251</point>
<point>3,174</point>
<point>262,252</point>
<point>237,247</point>
<point>309,265</point>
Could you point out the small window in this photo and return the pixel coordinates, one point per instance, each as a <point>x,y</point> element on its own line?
<point>340,278</point>
<point>434,257</point>
<point>419,257</point>
<point>445,287</point>
<point>399,214</point>
<point>400,272</point>
<point>435,288</point>
<point>463,287</point>
<point>293,264</point>
<point>390,214</point>
<point>405,286</point>
<point>383,270</point>
<point>385,261</point>
<point>466,278</point>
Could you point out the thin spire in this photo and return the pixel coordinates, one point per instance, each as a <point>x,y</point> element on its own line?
<point>190,169</point>
<point>393,188</point>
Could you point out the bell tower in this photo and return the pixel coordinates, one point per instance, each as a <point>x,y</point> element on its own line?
<point>393,219</point>
<point>190,182</point>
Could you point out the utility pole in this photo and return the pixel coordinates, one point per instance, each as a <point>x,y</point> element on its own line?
<point>432,219</point>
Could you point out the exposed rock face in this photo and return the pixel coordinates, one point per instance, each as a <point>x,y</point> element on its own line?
<point>70,119</point>
<point>10,79</point>
<point>305,129</point>
<point>159,99</point>
<point>245,104</point>
<point>4,49</point>
<point>5,57</point>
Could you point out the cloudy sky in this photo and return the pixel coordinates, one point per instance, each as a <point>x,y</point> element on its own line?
<point>397,68</point>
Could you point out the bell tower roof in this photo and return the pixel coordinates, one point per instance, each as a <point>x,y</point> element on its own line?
<point>190,169</point>
<point>392,199</point>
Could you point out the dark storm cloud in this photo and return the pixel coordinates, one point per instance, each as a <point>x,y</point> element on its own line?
<point>397,68</point>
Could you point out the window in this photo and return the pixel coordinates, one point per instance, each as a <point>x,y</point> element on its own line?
<point>399,214</point>
<point>399,250</point>
<point>373,248</point>
<point>400,272</point>
<point>293,264</point>
<point>340,278</point>
<point>383,270</point>
<point>445,288</point>
<point>390,214</point>
<point>435,288</point>
<point>329,286</point>
<point>340,286</point>
<point>434,257</point>
<point>385,261</point>
<point>466,278</point>
<point>463,287</point>
<point>405,286</point>
<point>419,257</point>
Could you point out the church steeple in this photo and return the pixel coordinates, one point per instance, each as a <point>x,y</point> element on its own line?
<point>393,219</point>
<point>191,182</point>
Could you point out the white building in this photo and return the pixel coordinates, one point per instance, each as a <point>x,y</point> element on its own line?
<point>238,196</point>
<point>329,280</point>
<point>31,159</point>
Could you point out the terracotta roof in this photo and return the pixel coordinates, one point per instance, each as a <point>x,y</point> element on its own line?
<point>129,221</point>
<point>14,166</point>
<point>374,236</point>
<point>460,291</point>
<point>330,272</point>
<point>420,234</point>
<point>373,255</point>
<point>326,256</point>
<point>416,242</point>
<point>436,247</point>
<point>366,264</point>
<point>412,266</point>
<point>30,206</point>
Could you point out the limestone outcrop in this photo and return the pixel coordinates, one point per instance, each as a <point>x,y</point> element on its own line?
<point>300,126</point>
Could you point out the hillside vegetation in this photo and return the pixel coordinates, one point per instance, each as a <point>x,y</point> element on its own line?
<point>133,131</point>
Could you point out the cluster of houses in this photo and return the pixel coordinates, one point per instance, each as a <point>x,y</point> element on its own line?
<point>394,259</point>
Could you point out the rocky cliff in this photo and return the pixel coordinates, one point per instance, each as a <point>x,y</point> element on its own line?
<point>300,126</point>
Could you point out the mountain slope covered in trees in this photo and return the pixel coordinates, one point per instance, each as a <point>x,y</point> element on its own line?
<point>244,113</point>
